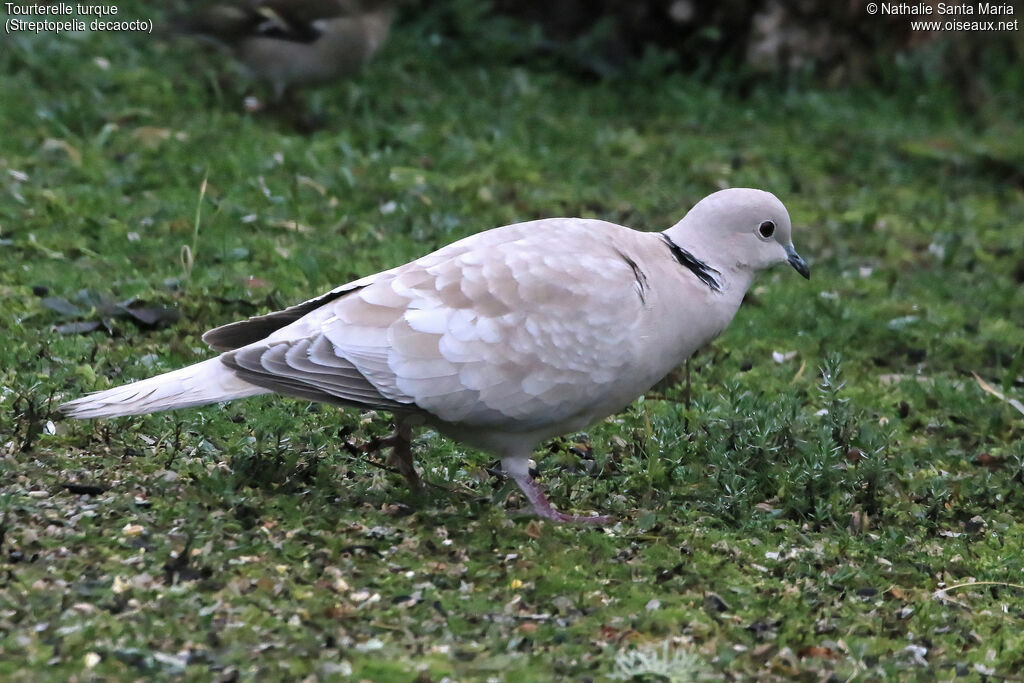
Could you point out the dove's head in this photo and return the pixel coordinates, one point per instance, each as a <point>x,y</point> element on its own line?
<point>741,229</point>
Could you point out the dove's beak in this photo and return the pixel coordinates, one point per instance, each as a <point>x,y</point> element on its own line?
<point>798,263</point>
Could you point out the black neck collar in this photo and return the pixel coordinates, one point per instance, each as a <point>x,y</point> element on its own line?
<point>703,271</point>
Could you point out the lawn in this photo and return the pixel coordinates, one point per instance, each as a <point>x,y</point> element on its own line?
<point>839,492</point>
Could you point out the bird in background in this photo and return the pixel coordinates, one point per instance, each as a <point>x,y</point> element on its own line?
<point>291,44</point>
<point>501,340</point>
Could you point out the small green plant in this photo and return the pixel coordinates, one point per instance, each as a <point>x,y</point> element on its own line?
<point>668,662</point>
<point>837,407</point>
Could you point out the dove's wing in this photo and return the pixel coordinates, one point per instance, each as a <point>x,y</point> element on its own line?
<point>527,325</point>
<point>244,332</point>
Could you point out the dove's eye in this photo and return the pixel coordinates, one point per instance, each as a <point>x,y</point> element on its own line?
<point>766,229</point>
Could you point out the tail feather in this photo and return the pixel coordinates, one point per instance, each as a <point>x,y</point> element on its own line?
<point>207,382</point>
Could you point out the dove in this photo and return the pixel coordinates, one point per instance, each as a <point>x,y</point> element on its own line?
<point>296,42</point>
<point>500,340</point>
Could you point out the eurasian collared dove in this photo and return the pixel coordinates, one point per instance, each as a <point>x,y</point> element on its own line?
<point>297,42</point>
<point>502,339</point>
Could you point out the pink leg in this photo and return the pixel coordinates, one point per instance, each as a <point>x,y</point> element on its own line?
<point>401,456</point>
<point>518,469</point>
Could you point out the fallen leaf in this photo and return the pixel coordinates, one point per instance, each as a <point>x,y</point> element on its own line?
<point>988,460</point>
<point>886,380</point>
<point>309,182</point>
<point>150,316</point>
<point>62,306</point>
<point>85,489</point>
<point>896,593</point>
<point>714,603</point>
<point>151,136</point>
<point>294,226</point>
<point>254,282</point>
<point>74,156</point>
<point>77,328</point>
<point>860,522</point>
<point>998,394</point>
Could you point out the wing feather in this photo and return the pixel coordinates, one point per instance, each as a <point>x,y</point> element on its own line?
<point>269,367</point>
<point>503,330</point>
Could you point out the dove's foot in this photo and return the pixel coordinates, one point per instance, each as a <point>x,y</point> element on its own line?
<point>401,457</point>
<point>519,472</point>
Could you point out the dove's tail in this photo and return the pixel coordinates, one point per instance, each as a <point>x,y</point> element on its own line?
<point>208,382</point>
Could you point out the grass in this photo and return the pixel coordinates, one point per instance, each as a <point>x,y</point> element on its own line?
<point>851,511</point>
